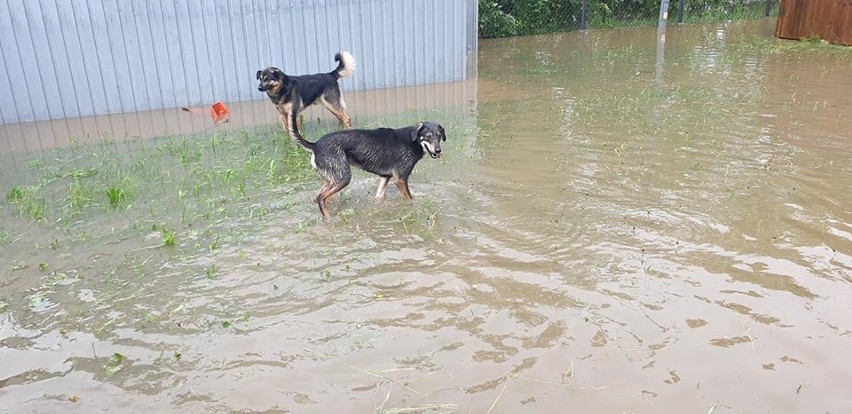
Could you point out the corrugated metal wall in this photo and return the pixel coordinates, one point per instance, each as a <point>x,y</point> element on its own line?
<point>75,58</point>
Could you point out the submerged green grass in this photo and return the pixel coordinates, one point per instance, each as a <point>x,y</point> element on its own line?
<point>119,196</point>
<point>196,175</point>
<point>29,201</point>
<point>167,198</point>
<point>169,182</point>
<point>791,48</point>
<point>124,208</point>
<point>103,219</point>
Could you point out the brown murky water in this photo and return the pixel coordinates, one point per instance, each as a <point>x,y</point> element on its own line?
<point>606,234</point>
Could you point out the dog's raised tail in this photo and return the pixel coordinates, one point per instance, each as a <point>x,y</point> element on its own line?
<point>297,139</point>
<point>346,64</point>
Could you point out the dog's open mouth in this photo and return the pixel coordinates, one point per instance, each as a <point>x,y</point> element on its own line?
<point>429,148</point>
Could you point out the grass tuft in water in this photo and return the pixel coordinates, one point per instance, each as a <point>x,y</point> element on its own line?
<point>420,218</point>
<point>813,45</point>
<point>29,200</point>
<point>118,196</point>
<point>213,244</point>
<point>80,195</point>
<point>16,194</point>
<point>168,236</point>
<point>815,39</point>
<point>211,271</point>
<point>115,363</point>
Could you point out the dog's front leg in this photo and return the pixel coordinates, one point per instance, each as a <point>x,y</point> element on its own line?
<point>383,184</point>
<point>285,124</point>
<point>284,115</point>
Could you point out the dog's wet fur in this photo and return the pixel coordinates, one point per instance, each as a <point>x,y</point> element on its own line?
<point>292,94</point>
<point>389,153</point>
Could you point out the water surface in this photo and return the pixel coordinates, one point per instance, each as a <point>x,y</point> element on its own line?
<point>608,232</point>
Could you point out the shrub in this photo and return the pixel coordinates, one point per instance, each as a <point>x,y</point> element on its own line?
<point>494,22</point>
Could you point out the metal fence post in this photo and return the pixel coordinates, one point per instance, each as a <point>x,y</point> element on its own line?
<point>661,41</point>
<point>768,6</point>
<point>583,15</point>
<point>664,14</point>
<point>680,12</point>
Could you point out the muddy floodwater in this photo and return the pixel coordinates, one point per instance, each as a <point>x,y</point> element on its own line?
<point>614,227</point>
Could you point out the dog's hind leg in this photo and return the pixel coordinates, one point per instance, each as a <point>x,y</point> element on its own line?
<point>321,200</point>
<point>383,184</point>
<point>342,175</point>
<point>325,194</point>
<point>402,185</point>
<point>334,103</point>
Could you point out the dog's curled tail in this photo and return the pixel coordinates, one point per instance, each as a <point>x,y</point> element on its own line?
<point>346,64</point>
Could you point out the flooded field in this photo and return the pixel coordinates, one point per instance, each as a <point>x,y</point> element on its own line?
<point>613,228</point>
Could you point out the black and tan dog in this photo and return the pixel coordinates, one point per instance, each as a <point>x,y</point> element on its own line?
<point>389,153</point>
<point>292,94</point>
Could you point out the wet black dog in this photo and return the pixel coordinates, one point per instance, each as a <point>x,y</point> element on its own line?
<point>292,94</point>
<point>389,153</point>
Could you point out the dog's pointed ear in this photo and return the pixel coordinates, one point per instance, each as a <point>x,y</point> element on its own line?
<point>415,131</point>
<point>443,134</point>
<point>258,75</point>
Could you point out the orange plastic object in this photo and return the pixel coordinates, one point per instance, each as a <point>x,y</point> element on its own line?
<point>219,112</point>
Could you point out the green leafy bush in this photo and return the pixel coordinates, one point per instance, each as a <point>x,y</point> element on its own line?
<point>494,22</point>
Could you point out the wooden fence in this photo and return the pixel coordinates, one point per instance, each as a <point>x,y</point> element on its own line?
<point>830,20</point>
